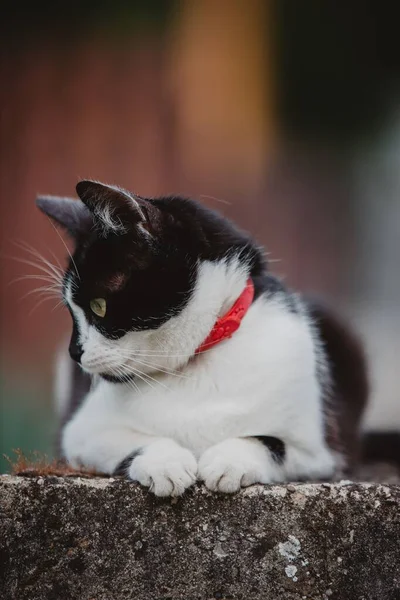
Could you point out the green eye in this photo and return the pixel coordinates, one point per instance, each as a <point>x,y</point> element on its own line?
<point>99,307</point>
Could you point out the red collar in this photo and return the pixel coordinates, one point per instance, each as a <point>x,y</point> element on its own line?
<point>226,326</point>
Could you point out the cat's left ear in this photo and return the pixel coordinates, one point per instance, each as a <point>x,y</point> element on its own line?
<point>72,215</point>
<point>116,210</point>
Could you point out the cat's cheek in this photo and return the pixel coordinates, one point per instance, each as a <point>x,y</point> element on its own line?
<point>236,463</point>
<point>165,468</point>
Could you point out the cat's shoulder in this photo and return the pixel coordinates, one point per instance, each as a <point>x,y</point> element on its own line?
<point>270,287</point>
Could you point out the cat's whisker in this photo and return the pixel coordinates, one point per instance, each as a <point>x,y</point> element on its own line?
<point>66,247</point>
<point>136,356</point>
<point>141,376</point>
<point>134,386</point>
<point>130,382</point>
<point>38,254</point>
<point>51,291</point>
<point>161,369</point>
<point>58,271</point>
<point>60,303</point>
<point>33,276</point>
<point>155,366</point>
<point>39,303</point>
<point>39,277</point>
<point>119,373</point>
<point>145,377</point>
<point>139,355</point>
<point>122,373</point>
<point>216,199</point>
<point>39,266</point>
<point>162,354</point>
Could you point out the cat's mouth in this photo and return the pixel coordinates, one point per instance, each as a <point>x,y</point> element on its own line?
<point>106,369</point>
<point>115,372</point>
<point>117,378</point>
<point>109,374</point>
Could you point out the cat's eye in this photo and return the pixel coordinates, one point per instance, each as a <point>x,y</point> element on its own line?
<point>99,307</point>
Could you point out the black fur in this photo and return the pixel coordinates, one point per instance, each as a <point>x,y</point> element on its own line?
<point>345,404</point>
<point>269,285</point>
<point>151,292</point>
<point>275,446</point>
<point>157,265</point>
<point>123,467</point>
<point>75,349</point>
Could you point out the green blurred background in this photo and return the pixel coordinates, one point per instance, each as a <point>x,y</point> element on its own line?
<point>284,115</point>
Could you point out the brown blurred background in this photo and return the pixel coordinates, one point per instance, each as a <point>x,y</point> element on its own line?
<point>285,116</point>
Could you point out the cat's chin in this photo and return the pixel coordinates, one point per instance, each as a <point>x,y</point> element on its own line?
<point>117,378</point>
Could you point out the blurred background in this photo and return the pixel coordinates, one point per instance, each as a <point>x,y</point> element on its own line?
<point>283,115</point>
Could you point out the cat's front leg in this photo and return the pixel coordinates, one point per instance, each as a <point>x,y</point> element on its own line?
<point>240,462</point>
<point>163,466</point>
<point>236,463</point>
<point>160,464</point>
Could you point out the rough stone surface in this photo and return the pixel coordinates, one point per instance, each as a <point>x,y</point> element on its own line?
<point>108,539</point>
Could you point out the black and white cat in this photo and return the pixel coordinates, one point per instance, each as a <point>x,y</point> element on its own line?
<point>277,397</point>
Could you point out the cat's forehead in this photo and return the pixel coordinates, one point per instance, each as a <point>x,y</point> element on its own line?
<point>105,263</point>
<point>115,251</point>
<point>99,282</point>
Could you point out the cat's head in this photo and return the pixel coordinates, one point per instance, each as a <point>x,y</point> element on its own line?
<point>148,277</point>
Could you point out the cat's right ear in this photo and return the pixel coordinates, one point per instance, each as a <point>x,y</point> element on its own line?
<point>71,215</point>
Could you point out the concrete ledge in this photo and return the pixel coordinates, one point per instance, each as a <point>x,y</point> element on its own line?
<point>108,539</point>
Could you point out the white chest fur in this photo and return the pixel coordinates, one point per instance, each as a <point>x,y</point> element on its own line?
<point>261,382</point>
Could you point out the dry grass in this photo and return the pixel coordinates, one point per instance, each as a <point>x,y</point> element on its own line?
<point>36,465</point>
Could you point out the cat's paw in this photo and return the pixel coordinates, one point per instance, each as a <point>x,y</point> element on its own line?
<point>165,468</point>
<point>235,463</point>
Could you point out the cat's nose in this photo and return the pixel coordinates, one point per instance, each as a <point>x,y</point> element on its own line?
<point>75,352</point>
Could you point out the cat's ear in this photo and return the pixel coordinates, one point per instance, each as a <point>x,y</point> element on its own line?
<point>114,209</point>
<point>71,214</point>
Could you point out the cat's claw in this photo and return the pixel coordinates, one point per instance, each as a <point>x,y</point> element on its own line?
<point>165,468</point>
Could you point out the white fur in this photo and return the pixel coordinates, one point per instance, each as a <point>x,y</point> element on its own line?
<point>194,416</point>
<point>165,467</point>
<point>105,213</point>
<point>105,216</point>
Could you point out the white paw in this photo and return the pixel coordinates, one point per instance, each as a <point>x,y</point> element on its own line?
<point>165,468</point>
<point>235,463</point>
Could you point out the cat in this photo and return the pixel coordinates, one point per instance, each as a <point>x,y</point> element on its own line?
<point>194,362</point>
